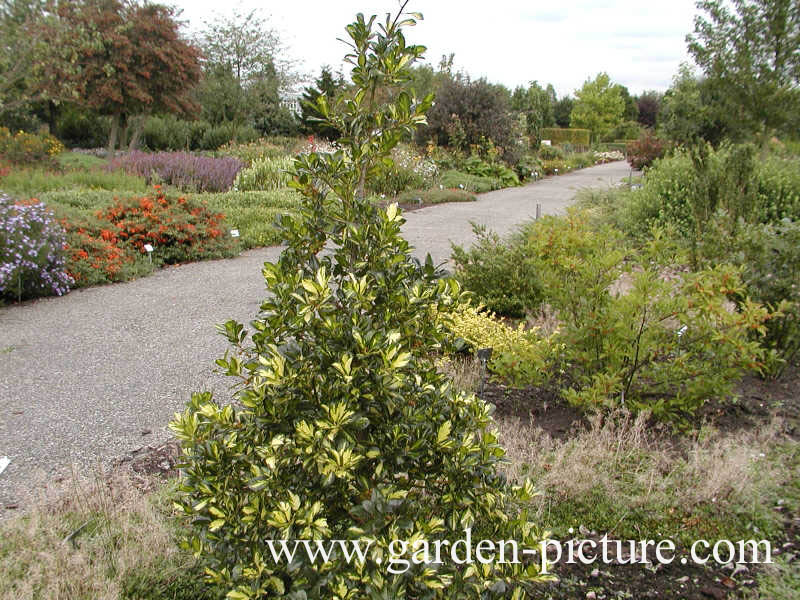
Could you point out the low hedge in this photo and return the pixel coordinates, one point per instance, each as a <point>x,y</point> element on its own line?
<point>558,136</point>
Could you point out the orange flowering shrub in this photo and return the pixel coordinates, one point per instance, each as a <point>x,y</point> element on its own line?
<point>109,245</point>
<point>94,257</point>
<point>179,229</point>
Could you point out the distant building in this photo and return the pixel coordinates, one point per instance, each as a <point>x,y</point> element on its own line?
<point>291,101</point>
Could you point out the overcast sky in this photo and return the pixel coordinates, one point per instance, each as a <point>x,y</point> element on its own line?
<point>639,43</point>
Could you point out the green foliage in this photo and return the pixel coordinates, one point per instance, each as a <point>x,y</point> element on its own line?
<point>84,199</point>
<point>649,105</point>
<point>471,183</point>
<point>467,111</point>
<point>435,196</point>
<point>24,148</point>
<point>407,170</point>
<point>27,183</point>
<point>171,133</point>
<point>162,583</point>
<point>224,133</point>
<point>311,119</point>
<point>244,69</point>
<point>576,137</point>
<point>519,356</point>
<point>551,153</point>
<point>627,130</point>
<point>667,343</point>
<point>81,128</point>
<point>688,111</point>
<point>255,214</point>
<point>557,166</point>
<point>264,174</point>
<point>749,59</point>
<point>252,151</point>
<point>599,106</point>
<point>76,161</point>
<point>769,257</point>
<point>502,275</point>
<point>684,193</point>
<point>772,272</point>
<point>342,426</point>
<point>778,581</point>
<point>475,165</point>
<point>562,111</point>
<point>537,104</point>
<point>527,167</point>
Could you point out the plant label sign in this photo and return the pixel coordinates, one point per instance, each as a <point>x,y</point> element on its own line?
<point>234,233</point>
<point>148,248</point>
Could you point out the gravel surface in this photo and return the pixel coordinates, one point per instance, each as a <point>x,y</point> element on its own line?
<point>98,373</point>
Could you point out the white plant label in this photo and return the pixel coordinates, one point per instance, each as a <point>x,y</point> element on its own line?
<point>148,248</point>
<point>234,233</point>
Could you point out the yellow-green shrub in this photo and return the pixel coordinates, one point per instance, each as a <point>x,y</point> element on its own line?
<point>519,356</point>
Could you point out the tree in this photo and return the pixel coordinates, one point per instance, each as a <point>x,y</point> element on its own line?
<point>245,69</point>
<point>563,110</point>
<point>750,57</point>
<point>18,52</point>
<point>648,104</point>
<point>343,428</point>
<point>631,112</point>
<point>243,45</point>
<point>326,85</point>
<point>599,106</point>
<point>688,112</point>
<point>537,104</point>
<point>119,59</point>
<point>466,111</point>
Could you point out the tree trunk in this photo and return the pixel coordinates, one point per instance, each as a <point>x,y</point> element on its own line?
<point>138,128</point>
<point>123,136</point>
<point>112,135</point>
<point>51,117</point>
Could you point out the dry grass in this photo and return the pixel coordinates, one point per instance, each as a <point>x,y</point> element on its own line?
<point>98,539</point>
<point>464,373</point>
<point>619,473</point>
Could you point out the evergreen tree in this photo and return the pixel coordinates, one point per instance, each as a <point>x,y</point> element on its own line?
<point>325,85</point>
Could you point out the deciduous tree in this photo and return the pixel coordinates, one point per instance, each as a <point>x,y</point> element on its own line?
<point>599,106</point>
<point>649,104</point>
<point>467,110</point>
<point>117,58</point>
<point>750,55</point>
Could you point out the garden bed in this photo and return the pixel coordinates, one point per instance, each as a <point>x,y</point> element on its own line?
<point>762,404</point>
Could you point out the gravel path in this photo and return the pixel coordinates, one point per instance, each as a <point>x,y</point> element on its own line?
<point>99,372</point>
